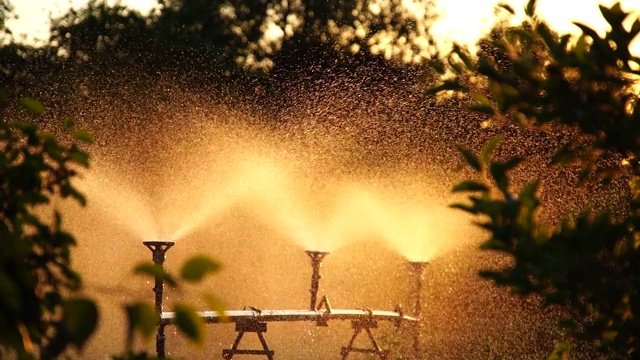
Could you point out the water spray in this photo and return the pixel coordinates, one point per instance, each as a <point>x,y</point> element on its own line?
<point>158,250</point>
<point>417,269</point>
<point>316,263</point>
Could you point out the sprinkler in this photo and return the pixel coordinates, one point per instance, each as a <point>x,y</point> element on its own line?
<point>316,263</point>
<point>158,249</point>
<point>254,320</point>
<point>417,269</point>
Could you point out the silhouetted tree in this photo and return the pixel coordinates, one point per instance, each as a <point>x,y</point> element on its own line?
<point>590,263</point>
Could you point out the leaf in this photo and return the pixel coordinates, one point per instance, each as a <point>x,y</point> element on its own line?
<point>549,38</point>
<point>438,66</point>
<point>561,351</point>
<point>68,123</point>
<point>197,267</point>
<point>482,104</point>
<point>493,244</point>
<point>507,7</point>
<point>482,109</point>
<point>464,56</point>
<point>80,320</point>
<point>583,175</point>
<point>564,155</point>
<point>156,271</point>
<point>216,304</point>
<point>530,9</point>
<point>4,97</point>
<point>481,99</point>
<point>465,207</point>
<point>32,105</point>
<point>499,173</point>
<point>470,158</point>
<point>10,293</point>
<point>587,30</point>
<point>490,146</point>
<point>529,191</point>
<point>485,67</point>
<point>614,15</point>
<point>445,86</point>
<point>513,162</point>
<point>580,48</point>
<point>189,323</point>
<point>78,196</point>
<point>84,136</point>
<point>470,185</point>
<point>142,317</point>
<point>80,157</point>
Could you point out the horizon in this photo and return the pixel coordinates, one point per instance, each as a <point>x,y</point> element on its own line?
<point>467,27</point>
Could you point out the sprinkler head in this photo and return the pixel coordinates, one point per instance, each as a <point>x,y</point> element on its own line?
<point>315,254</point>
<point>158,248</point>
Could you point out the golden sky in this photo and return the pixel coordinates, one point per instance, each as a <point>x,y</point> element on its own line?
<point>467,20</point>
<point>461,20</point>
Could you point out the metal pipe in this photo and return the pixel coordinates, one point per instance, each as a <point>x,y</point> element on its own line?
<point>159,249</point>
<point>316,263</point>
<point>417,269</point>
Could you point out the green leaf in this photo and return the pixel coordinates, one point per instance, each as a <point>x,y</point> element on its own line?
<point>529,191</point>
<point>481,99</point>
<point>142,317</point>
<point>530,9</point>
<point>499,173</point>
<point>189,323</point>
<point>493,244</point>
<point>464,56</point>
<point>155,271</point>
<point>561,351</point>
<point>485,67</point>
<point>438,66</point>
<point>445,86</point>
<point>470,185</point>
<point>513,162</point>
<point>465,207</point>
<point>216,304</point>
<point>68,123</point>
<point>490,146</point>
<point>581,47</point>
<point>80,320</point>
<point>80,157</point>
<point>564,155</point>
<point>499,170</point>
<point>84,136</point>
<point>549,38</point>
<point>471,159</point>
<point>482,109</point>
<point>584,175</point>
<point>32,105</point>
<point>482,104</point>
<point>197,267</point>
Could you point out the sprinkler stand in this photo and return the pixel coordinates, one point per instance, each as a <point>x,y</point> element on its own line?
<point>417,269</point>
<point>159,249</point>
<point>316,263</point>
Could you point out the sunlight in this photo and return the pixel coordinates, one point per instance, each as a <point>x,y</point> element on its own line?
<point>460,21</point>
